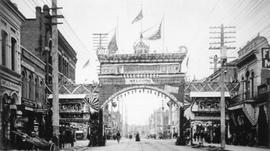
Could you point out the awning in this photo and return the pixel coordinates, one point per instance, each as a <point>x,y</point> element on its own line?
<point>208,94</point>
<point>69,96</point>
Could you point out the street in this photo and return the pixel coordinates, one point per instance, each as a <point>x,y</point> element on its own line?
<point>153,145</point>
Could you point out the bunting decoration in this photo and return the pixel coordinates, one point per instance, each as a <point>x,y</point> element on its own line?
<point>112,47</point>
<point>139,17</point>
<point>157,34</point>
<point>93,103</point>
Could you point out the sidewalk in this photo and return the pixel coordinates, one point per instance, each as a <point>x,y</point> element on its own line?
<point>214,147</point>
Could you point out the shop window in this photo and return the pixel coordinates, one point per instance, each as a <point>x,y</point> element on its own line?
<point>4,47</point>
<point>13,53</point>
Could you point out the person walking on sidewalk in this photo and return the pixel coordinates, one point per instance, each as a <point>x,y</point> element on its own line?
<point>118,136</point>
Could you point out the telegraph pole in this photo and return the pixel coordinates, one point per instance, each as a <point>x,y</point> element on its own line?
<point>55,90</point>
<point>223,59</point>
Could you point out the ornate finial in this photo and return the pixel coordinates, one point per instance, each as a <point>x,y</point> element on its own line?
<point>140,47</point>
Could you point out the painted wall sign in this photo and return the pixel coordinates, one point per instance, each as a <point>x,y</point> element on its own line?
<point>139,81</point>
<point>266,57</point>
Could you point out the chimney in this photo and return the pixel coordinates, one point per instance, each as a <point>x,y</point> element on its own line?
<point>38,12</point>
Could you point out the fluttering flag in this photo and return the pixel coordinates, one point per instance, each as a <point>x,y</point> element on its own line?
<point>112,47</point>
<point>187,63</point>
<point>139,17</point>
<point>86,63</point>
<point>156,35</point>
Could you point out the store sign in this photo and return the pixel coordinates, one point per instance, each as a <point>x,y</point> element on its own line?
<point>266,57</point>
<point>10,85</point>
<point>139,81</point>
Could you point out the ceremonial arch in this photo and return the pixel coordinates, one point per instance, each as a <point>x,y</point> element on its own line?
<point>157,73</point>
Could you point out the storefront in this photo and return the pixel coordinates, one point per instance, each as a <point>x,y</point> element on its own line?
<point>9,99</point>
<point>204,114</point>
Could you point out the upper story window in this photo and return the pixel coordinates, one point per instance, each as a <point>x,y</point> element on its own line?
<point>13,53</point>
<point>4,36</point>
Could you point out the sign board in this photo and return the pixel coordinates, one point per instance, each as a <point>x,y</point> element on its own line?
<point>266,57</point>
<point>139,81</point>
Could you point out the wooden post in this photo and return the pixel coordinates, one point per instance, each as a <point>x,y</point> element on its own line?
<point>54,54</point>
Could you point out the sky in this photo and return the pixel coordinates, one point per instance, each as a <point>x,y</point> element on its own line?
<point>185,22</point>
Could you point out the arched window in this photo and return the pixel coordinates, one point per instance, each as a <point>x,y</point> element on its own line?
<point>13,53</point>
<point>30,86</point>
<point>4,36</point>
<point>24,87</point>
<point>247,85</point>
<point>37,90</point>
<point>252,84</point>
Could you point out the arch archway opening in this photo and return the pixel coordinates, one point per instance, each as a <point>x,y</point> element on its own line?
<point>134,109</point>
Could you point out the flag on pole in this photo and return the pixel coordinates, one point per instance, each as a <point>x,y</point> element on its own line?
<point>139,17</point>
<point>157,34</point>
<point>112,47</point>
<point>86,63</point>
<point>187,62</point>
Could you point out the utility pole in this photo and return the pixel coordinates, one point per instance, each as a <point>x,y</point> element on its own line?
<point>55,90</point>
<point>100,41</point>
<point>215,62</point>
<point>223,59</point>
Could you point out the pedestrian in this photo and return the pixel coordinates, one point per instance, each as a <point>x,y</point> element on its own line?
<point>118,136</point>
<point>137,138</point>
<point>61,139</point>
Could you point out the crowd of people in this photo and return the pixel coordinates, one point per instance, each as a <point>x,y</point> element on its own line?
<point>67,136</point>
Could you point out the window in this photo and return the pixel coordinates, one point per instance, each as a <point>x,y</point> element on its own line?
<point>4,47</point>
<point>252,84</point>
<point>37,89</point>
<point>24,87</point>
<point>13,53</point>
<point>30,86</point>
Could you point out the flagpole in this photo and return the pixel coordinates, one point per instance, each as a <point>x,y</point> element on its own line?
<point>117,29</point>
<point>163,36</point>
<point>141,22</point>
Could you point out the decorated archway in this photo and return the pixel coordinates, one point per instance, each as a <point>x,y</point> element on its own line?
<point>158,73</point>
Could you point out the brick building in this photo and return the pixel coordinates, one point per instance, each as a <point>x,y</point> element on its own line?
<point>34,107</point>
<point>36,37</point>
<point>10,69</point>
<point>248,109</point>
<point>248,106</point>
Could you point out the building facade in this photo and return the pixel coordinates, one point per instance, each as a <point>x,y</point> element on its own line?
<point>34,106</point>
<point>204,111</point>
<point>10,69</point>
<point>74,106</point>
<point>37,37</point>
<point>249,108</point>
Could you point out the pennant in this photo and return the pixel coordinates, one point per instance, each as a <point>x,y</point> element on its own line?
<point>187,62</point>
<point>156,35</point>
<point>139,17</point>
<point>112,47</point>
<point>86,63</point>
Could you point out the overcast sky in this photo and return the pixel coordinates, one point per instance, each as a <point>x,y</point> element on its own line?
<point>186,22</point>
